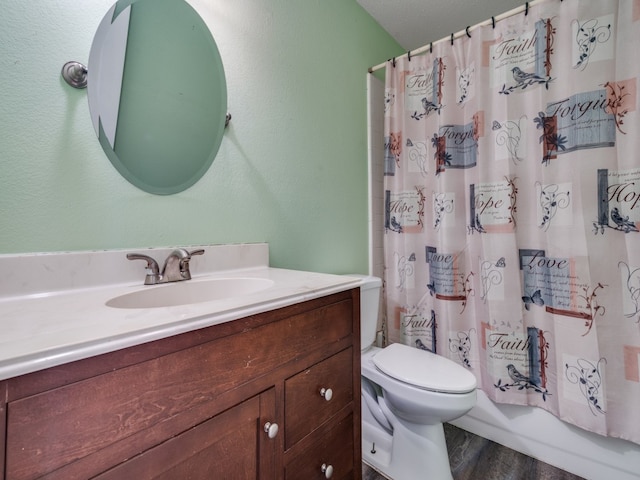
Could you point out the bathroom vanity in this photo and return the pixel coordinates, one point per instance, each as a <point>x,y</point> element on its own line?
<point>272,393</point>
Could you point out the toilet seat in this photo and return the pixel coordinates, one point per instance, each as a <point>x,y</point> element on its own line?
<point>424,369</point>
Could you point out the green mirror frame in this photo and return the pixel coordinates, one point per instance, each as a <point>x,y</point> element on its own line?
<point>157,93</point>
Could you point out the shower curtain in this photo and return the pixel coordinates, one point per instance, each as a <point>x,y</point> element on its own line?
<point>512,208</point>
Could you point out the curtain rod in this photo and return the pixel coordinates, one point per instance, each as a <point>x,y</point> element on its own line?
<point>466,31</point>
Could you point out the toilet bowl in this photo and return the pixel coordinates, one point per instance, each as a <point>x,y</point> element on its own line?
<point>407,394</point>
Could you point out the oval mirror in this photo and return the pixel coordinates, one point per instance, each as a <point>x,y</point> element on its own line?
<point>157,93</point>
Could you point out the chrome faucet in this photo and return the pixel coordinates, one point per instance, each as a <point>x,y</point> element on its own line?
<point>176,266</point>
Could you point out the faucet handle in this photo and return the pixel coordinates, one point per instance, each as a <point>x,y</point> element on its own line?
<point>185,272</point>
<point>153,271</point>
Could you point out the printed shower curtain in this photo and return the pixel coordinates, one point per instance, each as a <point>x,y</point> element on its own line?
<point>512,197</point>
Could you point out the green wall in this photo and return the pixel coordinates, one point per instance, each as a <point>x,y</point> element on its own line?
<point>292,167</point>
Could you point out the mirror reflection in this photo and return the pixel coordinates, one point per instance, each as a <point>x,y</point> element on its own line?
<point>157,93</point>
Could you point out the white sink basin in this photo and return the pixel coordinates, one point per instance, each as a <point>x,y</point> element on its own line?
<point>189,291</point>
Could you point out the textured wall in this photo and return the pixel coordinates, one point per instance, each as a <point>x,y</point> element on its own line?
<point>292,168</point>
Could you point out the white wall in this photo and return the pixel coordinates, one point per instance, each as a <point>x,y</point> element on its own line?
<point>375,113</point>
<point>375,146</point>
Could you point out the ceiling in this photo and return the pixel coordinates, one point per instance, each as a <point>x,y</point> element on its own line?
<point>415,23</point>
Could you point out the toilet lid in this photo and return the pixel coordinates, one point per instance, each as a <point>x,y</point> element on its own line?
<point>424,369</point>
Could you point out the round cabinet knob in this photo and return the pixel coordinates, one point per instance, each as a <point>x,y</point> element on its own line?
<point>327,470</point>
<point>327,394</point>
<point>271,429</point>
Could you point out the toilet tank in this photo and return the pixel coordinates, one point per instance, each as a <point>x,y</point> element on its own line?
<point>369,302</point>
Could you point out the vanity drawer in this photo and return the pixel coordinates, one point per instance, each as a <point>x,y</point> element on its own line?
<point>333,448</point>
<point>305,406</point>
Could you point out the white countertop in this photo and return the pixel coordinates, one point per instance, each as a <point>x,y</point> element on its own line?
<point>45,329</point>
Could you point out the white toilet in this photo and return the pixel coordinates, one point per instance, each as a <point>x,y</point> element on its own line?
<point>407,394</point>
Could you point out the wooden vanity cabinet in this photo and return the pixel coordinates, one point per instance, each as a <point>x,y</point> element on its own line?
<point>199,405</point>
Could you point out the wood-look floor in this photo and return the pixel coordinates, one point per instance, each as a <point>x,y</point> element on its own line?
<point>476,458</point>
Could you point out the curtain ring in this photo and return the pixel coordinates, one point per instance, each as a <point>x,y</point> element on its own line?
<point>394,62</point>
<point>526,9</point>
<point>468,34</point>
<point>431,47</point>
<point>409,54</point>
<point>452,39</point>
<point>493,21</point>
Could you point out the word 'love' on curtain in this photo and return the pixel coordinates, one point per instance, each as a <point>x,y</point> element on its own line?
<point>512,200</point>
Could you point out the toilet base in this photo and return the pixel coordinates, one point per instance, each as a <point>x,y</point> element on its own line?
<point>412,452</point>
<point>376,447</point>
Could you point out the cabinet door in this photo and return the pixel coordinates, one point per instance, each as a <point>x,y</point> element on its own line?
<point>232,444</point>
